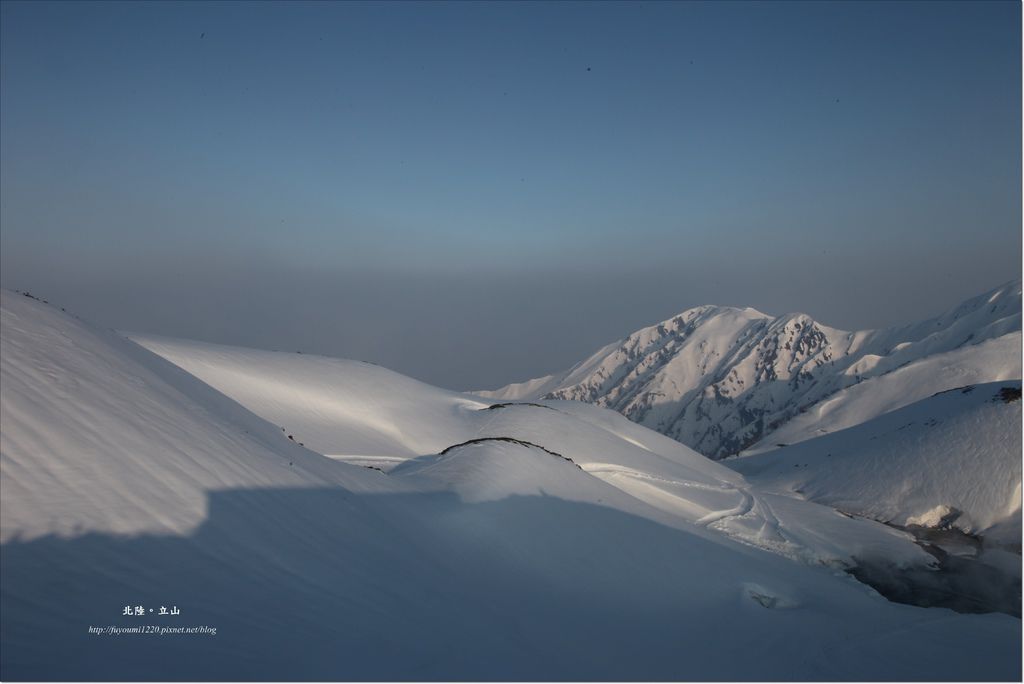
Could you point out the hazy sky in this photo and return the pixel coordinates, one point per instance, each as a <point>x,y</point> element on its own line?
<point>475,194</point>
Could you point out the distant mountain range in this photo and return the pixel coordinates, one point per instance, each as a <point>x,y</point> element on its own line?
<point>723,380</point>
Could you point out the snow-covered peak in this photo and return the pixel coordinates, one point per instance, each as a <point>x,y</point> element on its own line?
<point>722,379</point>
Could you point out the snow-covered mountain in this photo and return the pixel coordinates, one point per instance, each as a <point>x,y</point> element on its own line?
<point>723,380</point>
<point>550,541</point>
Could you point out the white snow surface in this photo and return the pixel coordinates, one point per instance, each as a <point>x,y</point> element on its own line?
<point>956,455</point>
<point>582,546</point>
<point>99,435</point>
<point>724,380</point>
<point>997,359</point>
<point>366,415</point>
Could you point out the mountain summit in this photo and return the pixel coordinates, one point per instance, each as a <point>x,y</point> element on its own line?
<point>723,380</point>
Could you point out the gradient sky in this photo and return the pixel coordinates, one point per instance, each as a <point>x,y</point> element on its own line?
<point>475,194</point>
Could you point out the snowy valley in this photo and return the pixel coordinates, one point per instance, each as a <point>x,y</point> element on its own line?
<point>332,519</point>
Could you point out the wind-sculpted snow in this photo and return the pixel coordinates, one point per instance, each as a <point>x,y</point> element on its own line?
<point>723,380</point>
<point>550,542</point>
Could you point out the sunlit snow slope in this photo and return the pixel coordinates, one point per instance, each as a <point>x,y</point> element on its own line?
<point>366,415</point>
<point>724,380</point>
<point>577,546</point>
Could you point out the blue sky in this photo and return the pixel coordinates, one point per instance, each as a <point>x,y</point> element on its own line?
<point>443,187</point>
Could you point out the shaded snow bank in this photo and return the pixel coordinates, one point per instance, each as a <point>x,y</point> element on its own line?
<point>952,459</point>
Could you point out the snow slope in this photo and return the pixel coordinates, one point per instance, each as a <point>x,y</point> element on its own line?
<point>954,457</point>
<point>722,380</point>
<point>100,436</point>
<point>129,482</point>
<point>334,406</point>
<point>366,415</point>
